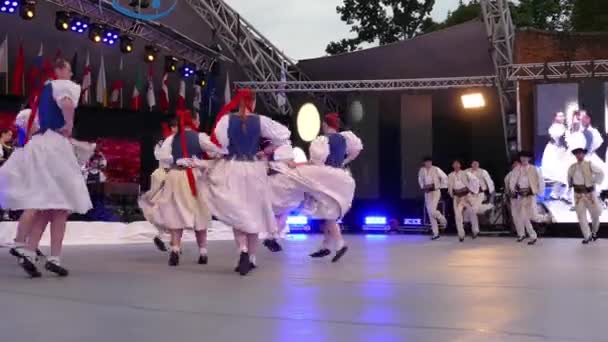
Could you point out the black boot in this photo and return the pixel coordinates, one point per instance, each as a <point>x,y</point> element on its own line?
<point>174,258</point>
<point>203,260</point>
<point>594,237</point>
<point>321,253</point>
<point>339,254</point>
<point>461,239</point>
<point>160,244</point>
<point>272,245</point>
<point>244,266</point>
<point>532,242</point>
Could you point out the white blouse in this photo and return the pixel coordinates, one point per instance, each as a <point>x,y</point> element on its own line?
<point>319,148</point>
<point>165,157</point>
<point>65,88</point>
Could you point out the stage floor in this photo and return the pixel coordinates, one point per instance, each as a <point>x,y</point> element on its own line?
<point>387,288</point>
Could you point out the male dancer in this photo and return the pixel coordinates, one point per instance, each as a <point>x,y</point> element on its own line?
<point>525,184</point>
<point>583,176</point>
<point>486,188</point>
<point>431,180</point>
<point>462,186</point>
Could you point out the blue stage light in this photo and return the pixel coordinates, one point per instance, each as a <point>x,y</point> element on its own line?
<point>298,237</point>
<point>375,220</point>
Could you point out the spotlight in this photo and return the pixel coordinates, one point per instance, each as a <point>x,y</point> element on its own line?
<point>376,223</point>
<point>187,70</point>
<point>201,78</point>
<point>473,101</point>
<point>126,44</point>
<point>308,122</point>
<point>150,53</point>
<point>95,32</point>
<point>62,20</point>
<point>8,6</point>
<point>109,36</point>
<point>171,64</point>
<point>27,11</point>
<point>298,223</point>
<point>79,24</point>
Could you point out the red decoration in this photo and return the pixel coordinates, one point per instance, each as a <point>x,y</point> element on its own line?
<point>123,156</point>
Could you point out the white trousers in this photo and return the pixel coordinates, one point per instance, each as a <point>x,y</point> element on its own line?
<point>431,200</point>
<point>477,201</point>
<point>523,210</point>
<point>588,202</point>
<point>465,205</point>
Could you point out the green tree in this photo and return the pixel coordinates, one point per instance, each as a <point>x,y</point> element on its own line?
<point>590,15</point>
<point>381,21</point>
<point>542,14</point>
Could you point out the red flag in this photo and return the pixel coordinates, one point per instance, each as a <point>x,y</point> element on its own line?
<point>115,95</point>
<point>164,95</point>
<point>181,96</point>
<point>18,73</point>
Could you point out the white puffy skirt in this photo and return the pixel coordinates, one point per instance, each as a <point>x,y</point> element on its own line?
<point>326,192</point>
<point>239,195</point>
<point>555,163</point>
<point>170,204</point>
<point>45,174</point>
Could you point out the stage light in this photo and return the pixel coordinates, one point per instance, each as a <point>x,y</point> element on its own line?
<point>376,223</point>
<point>8,6</point>
<point>150,53</point>
<point>472,101</point>
<point>62,20</point>
<point>412,222</point>
<point>298,223</point>
<point>187,70</point>
<point>308,122</point>
<point>171,64</point>
<point>126,44</point>
<point>109,36</point>
<point>27,11</point>
<point>95,33</point>
<point>79,24</point>
<point>201,78</point>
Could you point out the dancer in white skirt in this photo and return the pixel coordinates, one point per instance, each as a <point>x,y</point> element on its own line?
<point>179,204</point>
<point>238,190</point>
<point>45,175</point>
<point>158,177</point>
<point>555,156</point>
<point>334,150</point>
<point>462,187</point>
<point>431,180</point>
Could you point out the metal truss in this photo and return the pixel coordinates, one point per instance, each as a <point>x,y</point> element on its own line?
<point>557,70</point>
<point>257,56</point>
<point>501,34</point>
<point>157,34</point>
<point>370,85</point>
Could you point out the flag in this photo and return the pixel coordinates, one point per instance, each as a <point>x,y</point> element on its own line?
<point>150,94</point>
<point>19,73</point>
<point>282,97</point>
<point>227,92</point>
<point>115,96</point>
<point>86,82</point>
<point>4,60</point>
<point>101,90</point>
<point>164,95</point>
<point>181,96</point>
<point>35,73</point>
<point>198,97</point>
<point>74,64</point>
<point>137,91</point>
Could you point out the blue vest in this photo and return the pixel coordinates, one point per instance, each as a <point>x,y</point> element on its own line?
<point>49,113</point>
<point>337,150</point>
<point>244,143</point>
<point>193,146</point>
<point>588,140</point>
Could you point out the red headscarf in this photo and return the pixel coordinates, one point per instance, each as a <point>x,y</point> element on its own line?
<point>333,120</point>
<point>186,121</point>
<point>246,96</point>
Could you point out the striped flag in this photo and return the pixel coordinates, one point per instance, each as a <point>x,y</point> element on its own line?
<point>101,91</point>
<point>86,82</point>
<point>137,91</point>
<point>164,94</point>
<point>150,93</point>
<point>181,96</point>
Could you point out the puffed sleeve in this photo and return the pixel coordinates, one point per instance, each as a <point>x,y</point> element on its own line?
<point>597,173</point>
<point>210,147</point>
<point>221,131</point>
<point>164,154</point>
<point>277,133</point>
<point>319,150</point>
<point>23,118</point>
<point>556,131</point>
<point>284,152</point>
<point>354,146</point>
<point>65,88</point>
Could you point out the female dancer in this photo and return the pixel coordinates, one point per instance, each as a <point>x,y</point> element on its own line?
<point>53,185</point>
<point>237,188</point>
<point>555,156</point>
<point>178,204</point>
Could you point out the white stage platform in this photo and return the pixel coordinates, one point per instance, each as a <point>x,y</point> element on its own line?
<point>110,233</point>
<point>560,212</point>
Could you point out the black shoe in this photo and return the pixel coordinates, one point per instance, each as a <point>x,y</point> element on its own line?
<point>586,241</point>
<point>435,237</point>
<point>594,237</point>
<point>244,266</point>
<point>15,252</point>
<point>160,244</point>
<point>521,238</point>
<point>272,245</point>
<point>203,260</point>
<point>339,254</point>
<point>173,258</point>
<point>29,268</point>
<point>461,239</point>
<point>532,242</point>
<point>58,270</point>
<point>252,265</point>
<point>474,236</point>
<point>321,253</point>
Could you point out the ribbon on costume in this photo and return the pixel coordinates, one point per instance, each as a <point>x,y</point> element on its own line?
<point>242,94</point>
<point>185,120</point>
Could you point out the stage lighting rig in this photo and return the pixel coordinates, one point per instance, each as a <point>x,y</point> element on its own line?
<point>27,11</point>
<point>62,20</point>
<point>79,24</point>
<point>126,44</point>
<point>171,64</point>
<point>109,36</point>
<point>95,33</point>
<point>201,78</point>
<point>150,53</point>
<point>187,70</point>
<point>9,6</point>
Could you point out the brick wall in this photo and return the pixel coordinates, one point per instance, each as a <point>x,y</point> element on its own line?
<point>533,46</point>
